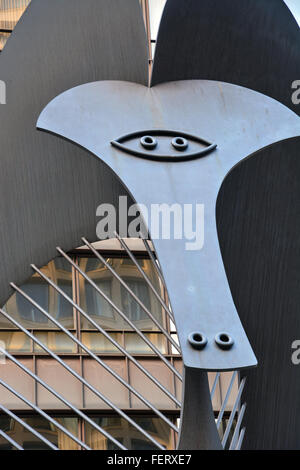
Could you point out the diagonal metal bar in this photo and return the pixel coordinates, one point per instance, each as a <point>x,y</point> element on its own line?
<point>237,428</point>
<point>213,389</point>
<point>101,330</point>
<point>116,308</point>
<point>10,440</point>
<point>133,259</point>
<point>29,428</point>
<point>241,438</point>
<point>96,358</point>
<point>140,303</point>
<point>43,413</point>
<point>154,261</point>
<point>83,381</point>
<point>232,414</point>
<point>221,413</point>
<point>63,400</point>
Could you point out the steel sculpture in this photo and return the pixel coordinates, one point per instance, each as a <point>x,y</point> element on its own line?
<point>185,136</point>
<point>240,122</point>
<point>254,44</point>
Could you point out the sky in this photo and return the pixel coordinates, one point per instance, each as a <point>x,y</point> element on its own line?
<point>294,6</point>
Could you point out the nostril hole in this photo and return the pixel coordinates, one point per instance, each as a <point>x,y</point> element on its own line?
<point>179,143</point>
<point>148,142</point>
<point>224,341</point>
<point>225,338</point>
<point>197,337</point>
<point>197,340</point>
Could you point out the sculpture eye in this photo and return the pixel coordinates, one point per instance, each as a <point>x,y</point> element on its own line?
<point>163,145</point>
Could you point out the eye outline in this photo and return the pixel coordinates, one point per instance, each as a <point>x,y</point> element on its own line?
<point>180,156</point>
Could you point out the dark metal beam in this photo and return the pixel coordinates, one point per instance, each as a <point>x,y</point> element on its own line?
<point>198,430</point>
<point>253,43</point>
<point>49,190</point>
<point>258,216</point>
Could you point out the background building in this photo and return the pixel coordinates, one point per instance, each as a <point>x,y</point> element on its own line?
<point>33,357</point>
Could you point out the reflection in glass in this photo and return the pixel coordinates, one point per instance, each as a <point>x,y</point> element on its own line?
<point>29,442</point>
<point>132,309</point>
<point>55,341</point>
<point>59,271</point>
<point>15,341</point>
<point>90,300</point>
<point>98,343</point>
<point>136,345</point>
<point>3,38</point>
<point>100,310</point>
<point>130,437</point>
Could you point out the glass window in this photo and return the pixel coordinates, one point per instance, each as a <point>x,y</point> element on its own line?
<point>15,341</point>
<point>132,309</point>
<point>98,343</point>
<point>38,291</point>
<point>30,442</point>
<point>60,272</point>
<point>136,345</point>
<point>93,303</point>
<point>101,311</point>
<point>126,434</point>
<point>137,284</point>
<point>56,341</point>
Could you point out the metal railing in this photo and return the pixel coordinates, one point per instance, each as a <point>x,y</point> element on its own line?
<point>237,411</point>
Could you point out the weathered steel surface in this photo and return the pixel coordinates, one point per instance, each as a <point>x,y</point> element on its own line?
<point>252,43</point>
<point>49,189</point>
<point>240,122</point>
<point>258,211</point>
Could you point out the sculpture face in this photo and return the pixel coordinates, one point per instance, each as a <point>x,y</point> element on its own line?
<point>163,145</point>
<point>240,121</point>
<point>215,126</point>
